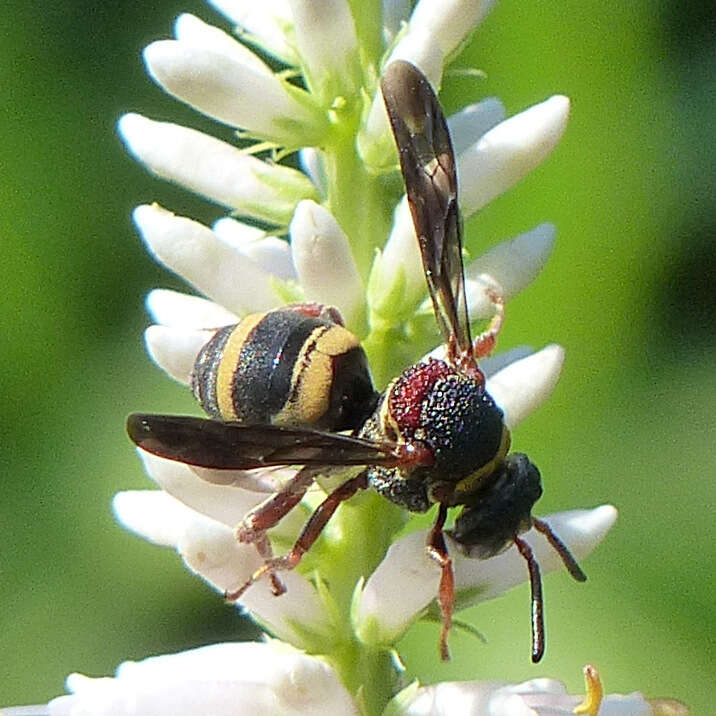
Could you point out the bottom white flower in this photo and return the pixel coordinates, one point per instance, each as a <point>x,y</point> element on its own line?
<point>221,679</point>
<point>271,678</point>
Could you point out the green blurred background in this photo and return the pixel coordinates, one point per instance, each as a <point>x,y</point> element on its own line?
<point>629,293</point>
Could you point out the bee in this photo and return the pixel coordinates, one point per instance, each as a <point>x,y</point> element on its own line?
<point>434,436</point>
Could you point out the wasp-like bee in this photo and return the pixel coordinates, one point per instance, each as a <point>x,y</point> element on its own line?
<point>434,435</point>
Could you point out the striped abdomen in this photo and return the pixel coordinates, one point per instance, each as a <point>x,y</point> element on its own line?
<point>284,367</point>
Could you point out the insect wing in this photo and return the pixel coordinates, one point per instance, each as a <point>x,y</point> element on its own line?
<point>230,446</point>
<point>427,161</point>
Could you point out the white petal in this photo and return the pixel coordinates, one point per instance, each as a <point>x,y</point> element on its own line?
<point>293,614</point>
<point>406,581</point>
<point>536,697</point>
<point>193,31</point>
<point>397,280</point>
<point>153,514</point>
<point>324,261</point>
<point>471,122</point>
<point>237,233</point>
<point>212,551</point>
<point>175,350</point>
<point>511,265</point>
<point>450,21</point>
<point>417,46</point>
<point>209,548</point>
<point>521,387</point>
<point>224,503</point>
<point>267,23</point>
<point>402,585</point>
<point>215,169</point>
<point>233,92</point>
<point>327,44</point>
<point>494,364</point>
<point>312,163</point>
<point>221,679</point>
<point>195,253</point>
<point>509,151</point>
<point>179,310</point>
<point>447,698</point>
<point>272,254</point>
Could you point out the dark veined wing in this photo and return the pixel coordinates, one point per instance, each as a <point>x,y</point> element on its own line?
<point>427,161</point>
<point>231,446</point>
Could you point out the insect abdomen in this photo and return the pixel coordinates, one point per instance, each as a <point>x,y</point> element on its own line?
<point>284,367</point>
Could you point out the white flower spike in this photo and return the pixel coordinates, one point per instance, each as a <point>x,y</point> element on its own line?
<point>351,246</point>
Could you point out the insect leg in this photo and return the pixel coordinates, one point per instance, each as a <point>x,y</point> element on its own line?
<point>269,513</point>
<point>253,527</point>
<point>484,344</point>
<point>537,601</point>
<point>309,534</point>
<point>561,548</point>
<point>263,547</point>
<point>437,551</point>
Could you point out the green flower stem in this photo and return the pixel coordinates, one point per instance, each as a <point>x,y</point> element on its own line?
<point>388,352</point>
<point>367,673</point>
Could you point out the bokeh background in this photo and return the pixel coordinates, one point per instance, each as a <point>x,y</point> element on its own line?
<point>629,293</point>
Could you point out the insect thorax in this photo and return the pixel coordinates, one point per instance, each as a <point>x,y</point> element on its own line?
<point>453,415</point>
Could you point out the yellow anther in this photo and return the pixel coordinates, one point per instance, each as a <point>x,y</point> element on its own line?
<point>595,692</point>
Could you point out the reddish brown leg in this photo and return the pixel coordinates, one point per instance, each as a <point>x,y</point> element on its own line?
<point>252,529</point>
<point>309,534</point>
<point>484,344</point>
<point>263,547</point>
<point>437,550</point>
<point>268,514</point>
<point>537,601</point>
<point>561,549</point>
